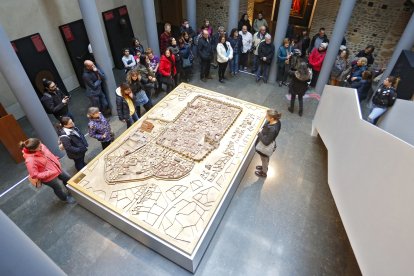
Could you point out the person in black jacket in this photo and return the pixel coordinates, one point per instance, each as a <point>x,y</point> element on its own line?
<point>383,98</point>
<point>205,52</point>
<point>244,21</point>
<point>299,85</point>
<point>55,101</point>
<point>268,135</point>
<point>73,141</point>
<point>303,43</point>
<point>266,52</point>
<point>125,105</point>
<point>368,54</point>
<point>93,78</point>
<point>318,39</point>
<point>363,86</point>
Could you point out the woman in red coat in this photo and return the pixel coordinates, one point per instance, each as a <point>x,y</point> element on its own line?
<point>315,61</point>
<point>45,167</point>
<point>167,69</point>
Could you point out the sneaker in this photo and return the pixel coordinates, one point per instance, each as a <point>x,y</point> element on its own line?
<point>260,173</point>
<point>70,200</point>
<point>285,83</point>
<point>245,68</point>
<point>222,81</point>
<point>280,84</point>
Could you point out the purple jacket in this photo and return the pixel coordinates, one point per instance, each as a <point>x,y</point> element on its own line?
<point>98,128</point>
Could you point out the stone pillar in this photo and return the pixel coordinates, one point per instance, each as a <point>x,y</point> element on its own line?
<point>280,33</point>
<point>192,14</point>
<point>406,42</point>
<point>234,8</point>
<point>22,88</point>
<point>93,26</point>
<point>341,25</point>
<point>151,25</point>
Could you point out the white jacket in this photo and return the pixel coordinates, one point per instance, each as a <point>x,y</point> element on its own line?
<point>247,40</point>
<point>222,55</point>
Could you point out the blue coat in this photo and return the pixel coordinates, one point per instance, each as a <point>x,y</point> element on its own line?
<point>282,54</point>
<point>357,72</point>
<point>236,44</point>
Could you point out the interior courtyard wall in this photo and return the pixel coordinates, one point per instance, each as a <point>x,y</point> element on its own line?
<point>379,23</point>
<point>44,17</point>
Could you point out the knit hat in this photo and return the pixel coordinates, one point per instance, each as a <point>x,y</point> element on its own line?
<point>342,47</point>
<point>324,45</point>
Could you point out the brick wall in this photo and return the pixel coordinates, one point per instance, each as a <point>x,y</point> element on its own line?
<point>376,22</point>
<point>217,11</point>
<point>379,23</point>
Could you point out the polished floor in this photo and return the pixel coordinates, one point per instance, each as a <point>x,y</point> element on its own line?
<point>286,224</point>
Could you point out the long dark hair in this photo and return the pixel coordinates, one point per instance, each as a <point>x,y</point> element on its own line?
<point>233,31</point>
<point>242,17</point>
<point>303,70</point>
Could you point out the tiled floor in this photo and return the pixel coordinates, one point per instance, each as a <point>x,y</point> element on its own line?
<point>285,225</point>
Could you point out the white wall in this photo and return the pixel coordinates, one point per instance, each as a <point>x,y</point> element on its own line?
<point>370,177</point>
<point>21,18</point>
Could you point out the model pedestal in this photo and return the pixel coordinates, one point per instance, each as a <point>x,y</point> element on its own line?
<point>168,180</point>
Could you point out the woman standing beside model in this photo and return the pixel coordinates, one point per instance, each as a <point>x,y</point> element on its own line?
<point>266,144</point>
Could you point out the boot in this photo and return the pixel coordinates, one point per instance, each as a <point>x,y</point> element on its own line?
<point>300,112</point>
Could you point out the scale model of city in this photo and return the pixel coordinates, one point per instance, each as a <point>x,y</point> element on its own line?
<point>170,170</point>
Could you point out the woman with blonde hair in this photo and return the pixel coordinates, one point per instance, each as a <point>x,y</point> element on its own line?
<point>266,144</point>
<point>357,68</point>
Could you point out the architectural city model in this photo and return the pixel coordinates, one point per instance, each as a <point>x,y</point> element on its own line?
<point>168,173</point>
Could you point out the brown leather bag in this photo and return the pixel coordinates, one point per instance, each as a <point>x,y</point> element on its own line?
<point>35,182</point>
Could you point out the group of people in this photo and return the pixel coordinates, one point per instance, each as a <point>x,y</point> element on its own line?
<point>299,59</point>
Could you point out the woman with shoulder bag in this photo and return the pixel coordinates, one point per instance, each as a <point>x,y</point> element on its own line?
<point>267,140</point>
<point>44,168</point>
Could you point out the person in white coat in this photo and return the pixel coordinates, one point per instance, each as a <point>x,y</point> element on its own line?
<point>224,54</point>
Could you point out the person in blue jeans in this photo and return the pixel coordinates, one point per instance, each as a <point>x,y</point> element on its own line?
<point>236,43</point>
<point>265,55</point>
<point>383,98</point>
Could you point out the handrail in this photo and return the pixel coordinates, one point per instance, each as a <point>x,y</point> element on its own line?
<point>371,180</point>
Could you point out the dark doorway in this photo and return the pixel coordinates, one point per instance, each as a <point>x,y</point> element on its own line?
<point>36,61</point>
<point>170,11</point>
<point>300,16</point>
<point>119,32</point>
<point>76,41</point>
